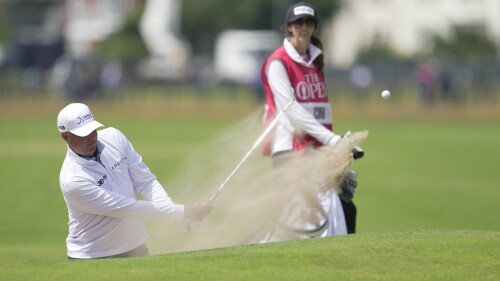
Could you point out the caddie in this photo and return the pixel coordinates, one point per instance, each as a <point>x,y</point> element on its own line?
<point>295,70</point>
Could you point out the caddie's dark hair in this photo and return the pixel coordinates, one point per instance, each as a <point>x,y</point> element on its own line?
<point>320,60</point>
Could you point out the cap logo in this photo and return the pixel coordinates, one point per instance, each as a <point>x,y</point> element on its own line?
<point>84,118</point>
<point>61,128</point>
<point>300,10</point>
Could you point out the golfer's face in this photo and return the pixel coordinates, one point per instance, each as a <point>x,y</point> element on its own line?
<point>83,146</point>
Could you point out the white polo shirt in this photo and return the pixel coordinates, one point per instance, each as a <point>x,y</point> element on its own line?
<point>105,217</point>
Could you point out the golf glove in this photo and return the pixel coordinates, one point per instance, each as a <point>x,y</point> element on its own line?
<point>348,185</point>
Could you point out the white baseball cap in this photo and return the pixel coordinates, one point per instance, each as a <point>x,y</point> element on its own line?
<point>77,119</point>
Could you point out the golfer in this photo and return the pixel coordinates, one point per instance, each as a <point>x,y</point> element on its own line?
<point>295,69</point>
<point>99,179</point>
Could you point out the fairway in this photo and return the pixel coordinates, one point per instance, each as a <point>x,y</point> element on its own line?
<point>423,172</point>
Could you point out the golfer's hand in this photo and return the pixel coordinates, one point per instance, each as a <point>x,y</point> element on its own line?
<point>196,211</point>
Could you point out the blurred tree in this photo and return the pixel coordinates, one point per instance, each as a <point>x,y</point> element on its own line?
<point>26,12</point>
<point>15,14</point>
<point>465,42</point>
<point>4,29</point>
<point>32,32</point>
<point>378,50</point>
<point>127,43</point>
<point>202,21</point>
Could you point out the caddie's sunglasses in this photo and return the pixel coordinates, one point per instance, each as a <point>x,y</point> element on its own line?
<point>307,20</point>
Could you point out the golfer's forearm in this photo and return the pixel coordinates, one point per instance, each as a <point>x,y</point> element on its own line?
<point>144,210</point>
<point>91,199</point>
<point>140,210</point>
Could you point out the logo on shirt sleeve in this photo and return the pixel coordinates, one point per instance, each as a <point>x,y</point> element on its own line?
<point>101,181</point>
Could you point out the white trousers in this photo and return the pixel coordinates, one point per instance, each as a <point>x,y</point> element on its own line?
<point>336,218</point>
<point>292,225</point>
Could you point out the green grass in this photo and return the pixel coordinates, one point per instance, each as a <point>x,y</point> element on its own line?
<point>404,255</point>
<point>422,172</point>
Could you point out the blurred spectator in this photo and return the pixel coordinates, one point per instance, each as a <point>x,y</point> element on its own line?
<point>60,75</point>
<point>111,77</point>
<point>2,54</point>
<point>77,78</point>
<point>361,78</point>
<point>87,78</point>
<point>445,84</point>
<point>425,77</point>
<point>465,79</point>
<point>32,78</point>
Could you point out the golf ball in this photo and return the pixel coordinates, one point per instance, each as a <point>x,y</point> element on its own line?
<point>385,94</point>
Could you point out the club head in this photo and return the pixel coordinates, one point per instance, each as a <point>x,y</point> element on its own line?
<point>357,152</point>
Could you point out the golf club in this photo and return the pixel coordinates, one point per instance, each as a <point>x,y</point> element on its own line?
<point>271,125</point>
<point>256,144</point>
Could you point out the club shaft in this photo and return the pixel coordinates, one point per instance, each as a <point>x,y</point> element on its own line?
<point>256,144</point>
